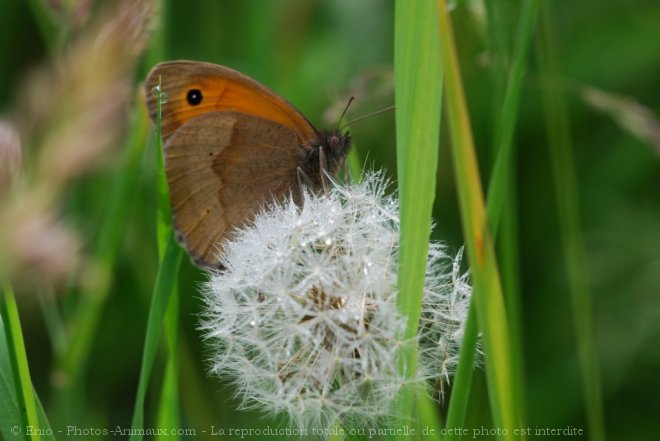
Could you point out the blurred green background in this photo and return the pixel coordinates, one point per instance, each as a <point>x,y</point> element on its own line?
<point>317,54</point>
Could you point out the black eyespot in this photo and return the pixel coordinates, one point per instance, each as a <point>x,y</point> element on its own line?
<point>194,97</point>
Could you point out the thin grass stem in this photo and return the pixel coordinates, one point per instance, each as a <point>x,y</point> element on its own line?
<point>565,180</point>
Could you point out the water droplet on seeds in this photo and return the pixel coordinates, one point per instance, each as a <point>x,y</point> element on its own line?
<point>367,265</point>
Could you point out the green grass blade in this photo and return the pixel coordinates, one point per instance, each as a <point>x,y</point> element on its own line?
<point>47,432</point>
<point>488,295</point>
<point>164,211</point>
<point>10,414</point>
<point>18,359</point>
<point>565,180</point>
<point>497,39</point>
<point>497,187</point>
<point>164,304</point>
<point>168,412</point>
<point>509,260</point>
<point>505,122</point>
<point>167,275</point>
<point>418,81</point>
<point>460,391</point>
<point>501,194</point>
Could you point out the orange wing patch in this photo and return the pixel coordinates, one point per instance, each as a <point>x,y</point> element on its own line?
<point>221,89</point>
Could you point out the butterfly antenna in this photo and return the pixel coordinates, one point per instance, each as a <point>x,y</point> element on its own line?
<point>368,115</point>
<point>350,100</point>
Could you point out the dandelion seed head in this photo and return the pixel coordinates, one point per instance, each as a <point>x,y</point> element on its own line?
<point>304,320</point>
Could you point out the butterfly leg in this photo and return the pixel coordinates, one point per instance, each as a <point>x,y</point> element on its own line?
<point>323,170</point>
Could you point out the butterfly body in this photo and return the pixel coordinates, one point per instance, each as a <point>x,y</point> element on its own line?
<point>231,148</point>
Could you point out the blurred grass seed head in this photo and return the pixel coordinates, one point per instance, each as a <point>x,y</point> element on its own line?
<point>75,12</point>
<point>71,113</point>
<point>10,156</point>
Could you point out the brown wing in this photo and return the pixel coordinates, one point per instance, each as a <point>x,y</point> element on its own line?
<point>222,168</point>
<point>222,89</point>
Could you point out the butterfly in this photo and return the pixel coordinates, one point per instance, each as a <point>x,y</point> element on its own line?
<point>232,147</point>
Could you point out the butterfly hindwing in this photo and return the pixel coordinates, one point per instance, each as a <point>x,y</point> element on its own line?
<point>222,168</point>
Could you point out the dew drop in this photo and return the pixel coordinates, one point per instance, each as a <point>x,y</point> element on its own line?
<point>164,98</point>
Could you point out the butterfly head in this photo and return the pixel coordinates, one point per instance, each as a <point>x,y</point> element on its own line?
<point>327,155</point>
